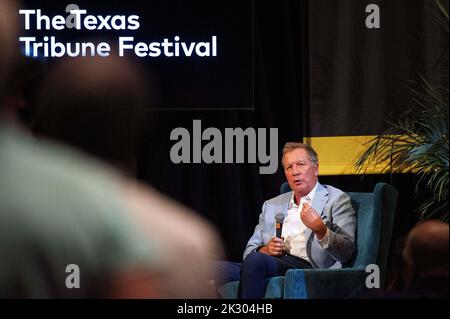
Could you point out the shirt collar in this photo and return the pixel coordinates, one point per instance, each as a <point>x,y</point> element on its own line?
<point>309,197</point>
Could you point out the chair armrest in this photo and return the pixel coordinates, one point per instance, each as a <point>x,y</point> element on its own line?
<point>325,283</point>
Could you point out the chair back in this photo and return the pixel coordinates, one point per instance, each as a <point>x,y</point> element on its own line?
<point>375,213</point>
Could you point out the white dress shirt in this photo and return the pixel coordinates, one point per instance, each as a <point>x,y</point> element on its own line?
<point>294,229</point>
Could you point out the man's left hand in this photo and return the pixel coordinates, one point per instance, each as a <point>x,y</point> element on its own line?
<point>313,221</point>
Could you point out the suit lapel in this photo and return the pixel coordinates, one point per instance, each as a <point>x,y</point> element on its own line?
<point>286,204</point>
<point>320,199</point>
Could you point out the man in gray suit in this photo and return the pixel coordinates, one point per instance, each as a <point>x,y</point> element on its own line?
<point>318,229</point>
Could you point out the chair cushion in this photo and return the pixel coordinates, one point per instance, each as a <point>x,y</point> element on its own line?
<point>229,290</point>
<point>325,283</point>
<point>275,287</point>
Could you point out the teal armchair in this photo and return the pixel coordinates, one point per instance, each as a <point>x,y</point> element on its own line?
<point>375,220</point>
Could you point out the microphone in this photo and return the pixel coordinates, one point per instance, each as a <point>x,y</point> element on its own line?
<point>279,218</point>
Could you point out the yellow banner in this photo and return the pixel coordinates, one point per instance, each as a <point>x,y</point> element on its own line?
<point>338,154</point>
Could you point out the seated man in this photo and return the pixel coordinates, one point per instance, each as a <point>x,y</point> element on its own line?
<point>318,229</point>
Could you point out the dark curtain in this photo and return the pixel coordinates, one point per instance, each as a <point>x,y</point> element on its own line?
<point>230,196</point>
<point>361,77</point>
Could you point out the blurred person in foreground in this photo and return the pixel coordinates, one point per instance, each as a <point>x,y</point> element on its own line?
<point>60,208</point>
<point>18,102</point>
<point>425,256</point>
<point>421,265</point>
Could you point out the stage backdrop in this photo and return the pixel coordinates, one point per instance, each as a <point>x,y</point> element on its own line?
<point>326,72</point>
<point>320,75</point>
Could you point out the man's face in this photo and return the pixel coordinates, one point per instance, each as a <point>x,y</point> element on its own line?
<point>301,172</point>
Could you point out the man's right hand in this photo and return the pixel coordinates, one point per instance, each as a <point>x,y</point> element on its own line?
<point>275,247</point>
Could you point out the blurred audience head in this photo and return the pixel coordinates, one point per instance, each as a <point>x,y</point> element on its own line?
<point>24,78</point>
<point>426,250</point>
<point>93,104</point>
<point>8,37</point>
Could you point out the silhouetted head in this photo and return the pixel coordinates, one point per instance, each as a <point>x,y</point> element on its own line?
<point>426,250</point>
<point>93,103</point>
<point>8,37</point>
<point>24,78</point>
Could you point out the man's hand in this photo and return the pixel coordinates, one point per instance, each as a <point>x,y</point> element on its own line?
<point>275,247</point>
<point>312,220</point>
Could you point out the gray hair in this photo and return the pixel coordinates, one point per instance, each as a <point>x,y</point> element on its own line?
<point>290,146</point>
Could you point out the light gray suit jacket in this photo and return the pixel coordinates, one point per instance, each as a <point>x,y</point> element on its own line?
<point>335,209</point>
